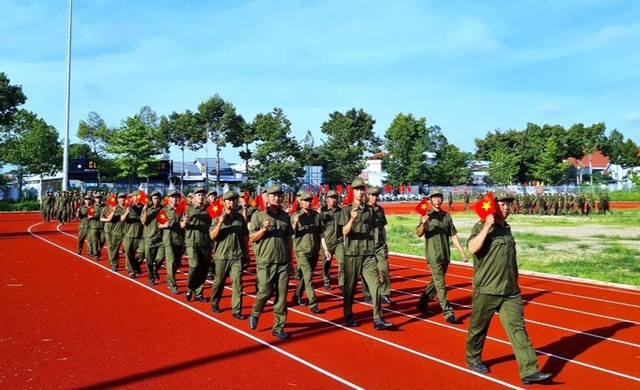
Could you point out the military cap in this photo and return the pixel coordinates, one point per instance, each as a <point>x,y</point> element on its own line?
<point>212,192</point>
<point>264,190</point>
<point>200,189</point>
<point>230,195</point>
<point>87,196</point>
<point>155,193</point>
<point>332,194</point>
<point>435,192</point>
<point>299,193</point>
<point>274,189</point>
<point>97,195</point>
<point>374,190</point>
<point>304,195</point>
<point>502,195</point>
<point>358,182</point>
<point>121,195</point>
<point>173,193</point>
<point>134,193</point>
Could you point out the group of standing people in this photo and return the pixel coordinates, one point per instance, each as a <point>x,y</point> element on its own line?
<point>354,233</point>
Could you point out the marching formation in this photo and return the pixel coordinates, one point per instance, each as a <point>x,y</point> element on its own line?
<point>218,235</point>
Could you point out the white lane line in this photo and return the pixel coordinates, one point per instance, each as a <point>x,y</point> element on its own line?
<point>344,381</point>
<point>538,303</point>
<point>219,322</point>
<point>559,279</point>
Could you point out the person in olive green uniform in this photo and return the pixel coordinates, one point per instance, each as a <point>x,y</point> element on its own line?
<point>436,227</point>
<point>495,289</point>
<point>465,201</point>
<point>44,205</point>
<point>450,199</point>
<point>96,227</point>
<point>308,238</point>
<point>115,219</point>
<point>230,236</point>
<point>381,249</point>
<point>132,235</point>
<point>172,240</point>
<point>212,196</point>
<point>153,248</point>
<point>83,225</point>
<point>357,222</point>
<point>270,233</point>
<point>333,236</point>
<point>196,221</point>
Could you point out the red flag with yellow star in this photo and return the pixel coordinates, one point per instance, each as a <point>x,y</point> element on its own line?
<point>215,209</point>
<point>423,207</point>
<point>91,212</point>
<point>485,206</point>
<point>182,206</point>
<point>142,197</point>
<point>162,217</point>
<point>112,200</point>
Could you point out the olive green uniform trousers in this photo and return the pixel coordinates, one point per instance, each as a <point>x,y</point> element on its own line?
<point>270,277</point>
<point>511,313</point>
<point>353,267</point>
<point>224,269</point>
<point>437,286</point>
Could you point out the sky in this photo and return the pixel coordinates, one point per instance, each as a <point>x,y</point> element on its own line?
<point>470,67</point>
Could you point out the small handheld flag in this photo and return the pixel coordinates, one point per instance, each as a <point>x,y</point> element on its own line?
<point>162,217</point>
<point>485,206</point>
<point>423,207</point>
<point>215,209</point>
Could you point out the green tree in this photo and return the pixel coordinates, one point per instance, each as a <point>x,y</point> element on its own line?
<point>242,135</point>
<point>406,140</point>
<point>80,151</point>
<point>220,119</point>
<point>137,144</point>
<point>548,166</point>
<point>621,152</point>
<point>11,97</point>
<point>277,153</point>
<point>503,166</point>
<point>32,145</point>
<point>349,136</point>
<point>451,168</point>
<point>95,133</point>
<point>183,131</point>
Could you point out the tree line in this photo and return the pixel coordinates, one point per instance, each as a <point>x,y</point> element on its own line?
<point>130,150</point>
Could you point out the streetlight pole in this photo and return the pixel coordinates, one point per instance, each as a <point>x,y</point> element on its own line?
<point>65,162</point>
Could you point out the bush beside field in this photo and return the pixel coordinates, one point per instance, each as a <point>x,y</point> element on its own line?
<point>25,205</point>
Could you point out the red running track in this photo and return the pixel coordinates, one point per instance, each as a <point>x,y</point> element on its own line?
<point>70,323</point>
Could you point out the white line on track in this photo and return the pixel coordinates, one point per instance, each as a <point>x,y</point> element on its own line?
<point>294,357</point>
<point>530,302</point>
<point>559,279</point>
<point>551,355</point>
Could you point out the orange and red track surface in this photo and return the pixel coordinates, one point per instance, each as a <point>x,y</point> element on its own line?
<point>71,323</point>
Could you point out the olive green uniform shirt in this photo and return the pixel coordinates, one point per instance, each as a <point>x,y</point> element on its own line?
<point>133,226</point>
<point>150,231</point>
<point>380,223</point>
<point>436,235</point>
<point>116,226</point>
<point>306,237</point>
<point>98,211</point>
<point>495,266</point>
<point>174,234</point>
<point>273,247</point>
<point>197,229</point>
<point>332,232</point>
<point>360,240</point>
<point>230,241</point>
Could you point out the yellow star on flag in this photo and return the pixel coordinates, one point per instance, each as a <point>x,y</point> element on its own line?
<point>486,205</point>
<point>423,206</point>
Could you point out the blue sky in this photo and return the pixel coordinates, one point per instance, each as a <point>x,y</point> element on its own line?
<point>467,66</point>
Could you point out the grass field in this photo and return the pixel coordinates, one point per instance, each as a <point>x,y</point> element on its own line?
<point>600,247</point>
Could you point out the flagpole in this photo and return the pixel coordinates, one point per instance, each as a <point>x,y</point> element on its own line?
<point>65,158</point>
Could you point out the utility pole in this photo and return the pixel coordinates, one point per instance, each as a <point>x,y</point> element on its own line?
<point>65,162</point>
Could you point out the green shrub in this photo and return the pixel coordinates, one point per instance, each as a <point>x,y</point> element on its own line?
<point>25,205</point>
